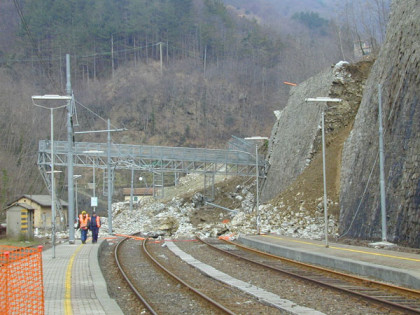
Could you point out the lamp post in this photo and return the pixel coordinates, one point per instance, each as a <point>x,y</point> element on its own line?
<point>257,175</point>
<point>334,100</point>
<point>94,200</point>
<point>56,98</point>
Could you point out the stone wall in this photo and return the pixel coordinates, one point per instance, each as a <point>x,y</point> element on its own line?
<point>397,69</point>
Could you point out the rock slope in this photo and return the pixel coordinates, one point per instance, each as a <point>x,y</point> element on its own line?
<point>397,70</point>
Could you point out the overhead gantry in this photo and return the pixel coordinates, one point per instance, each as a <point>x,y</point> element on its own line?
<point>155,159</point>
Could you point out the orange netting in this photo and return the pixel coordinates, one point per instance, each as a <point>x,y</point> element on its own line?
<point>21,283</point>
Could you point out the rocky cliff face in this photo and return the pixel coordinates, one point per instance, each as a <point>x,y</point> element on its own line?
<point>293,174</point>
<point>296,136</point>
<point>397,70</point>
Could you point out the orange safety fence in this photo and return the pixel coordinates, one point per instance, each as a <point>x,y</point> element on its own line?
<point>21,281</point>
<point>138,238</point>
<point>290,83</point>
<point>228,237</point>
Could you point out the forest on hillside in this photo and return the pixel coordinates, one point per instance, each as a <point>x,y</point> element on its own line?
<point>179,73</point>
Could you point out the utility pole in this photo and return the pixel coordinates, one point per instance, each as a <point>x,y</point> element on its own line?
<point>258,189</point>
<point>324,172</point>
<point>135,52</point>
<point>94,61</point>
<point>109,170</point>
<point>108,165</point>
<point>70,183</point>
<point>132,188</point>
<point>112,55</point>
<point>205,59</point>
<point>257,180</point>
<point>381,166</point>
<point>161,58</point>
<point>167,52</point>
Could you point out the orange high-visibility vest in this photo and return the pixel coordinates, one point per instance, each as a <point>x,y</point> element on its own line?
<point>84,222</point>
<point>98,222</point>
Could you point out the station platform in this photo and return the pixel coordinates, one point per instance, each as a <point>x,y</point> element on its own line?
<point>73,281</point>
<point>386,265</point>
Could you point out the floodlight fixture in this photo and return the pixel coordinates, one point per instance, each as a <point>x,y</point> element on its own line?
<point>51,97</point>
<point>256,138</point>
<point>323,99</point>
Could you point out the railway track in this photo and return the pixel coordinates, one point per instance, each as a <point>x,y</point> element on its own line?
<point>154,279</point>
<point>400,299</point>
<point>159,292</point>
<point>128,278</point>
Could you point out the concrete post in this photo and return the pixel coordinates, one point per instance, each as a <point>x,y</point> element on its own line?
<point>70,214</point>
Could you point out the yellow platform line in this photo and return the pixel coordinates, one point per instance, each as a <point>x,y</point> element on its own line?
<point>67,296</point>
<point>345,249</point>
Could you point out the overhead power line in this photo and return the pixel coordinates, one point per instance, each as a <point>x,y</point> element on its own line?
<point>95,114</point>
<point>58,58</point>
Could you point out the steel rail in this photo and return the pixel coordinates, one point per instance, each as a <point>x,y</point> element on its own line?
<point>192,289</point>
<point>403,290</point>
<point>130,284</point>
<point>381,300</point>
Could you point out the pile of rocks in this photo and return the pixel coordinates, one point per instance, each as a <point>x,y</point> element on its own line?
<point>172,218</point>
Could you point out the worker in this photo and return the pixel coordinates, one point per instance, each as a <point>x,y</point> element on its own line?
<point>95,224</point>
<point>83,225</point>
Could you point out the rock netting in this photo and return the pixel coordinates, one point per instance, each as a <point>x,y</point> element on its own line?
<point>397,69</point>
<point>297,136</point>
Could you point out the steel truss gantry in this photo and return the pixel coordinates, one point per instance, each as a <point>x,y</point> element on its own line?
<point>152,158</point>
<point>155,159</point>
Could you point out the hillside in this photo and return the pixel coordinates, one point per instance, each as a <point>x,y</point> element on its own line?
<point>185,73</point>
<point>221,75</point>
<point>352,140</point>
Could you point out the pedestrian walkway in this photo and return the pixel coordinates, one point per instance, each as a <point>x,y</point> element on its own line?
<point>69,287</point>
<point>385,265</point>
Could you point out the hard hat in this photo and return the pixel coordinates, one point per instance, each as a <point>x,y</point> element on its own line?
<point>83,212</point>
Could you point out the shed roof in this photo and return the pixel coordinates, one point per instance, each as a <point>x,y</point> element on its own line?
<point>20,204</point>
<point>43,200</point>
<point>138,191</point>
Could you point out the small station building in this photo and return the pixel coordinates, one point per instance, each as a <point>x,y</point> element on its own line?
<point>138,193</point>
<point>30,212</point>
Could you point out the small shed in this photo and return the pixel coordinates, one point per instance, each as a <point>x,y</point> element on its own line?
<point>20,221</point>
<point>138,193</point>
<point>41,205</point>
